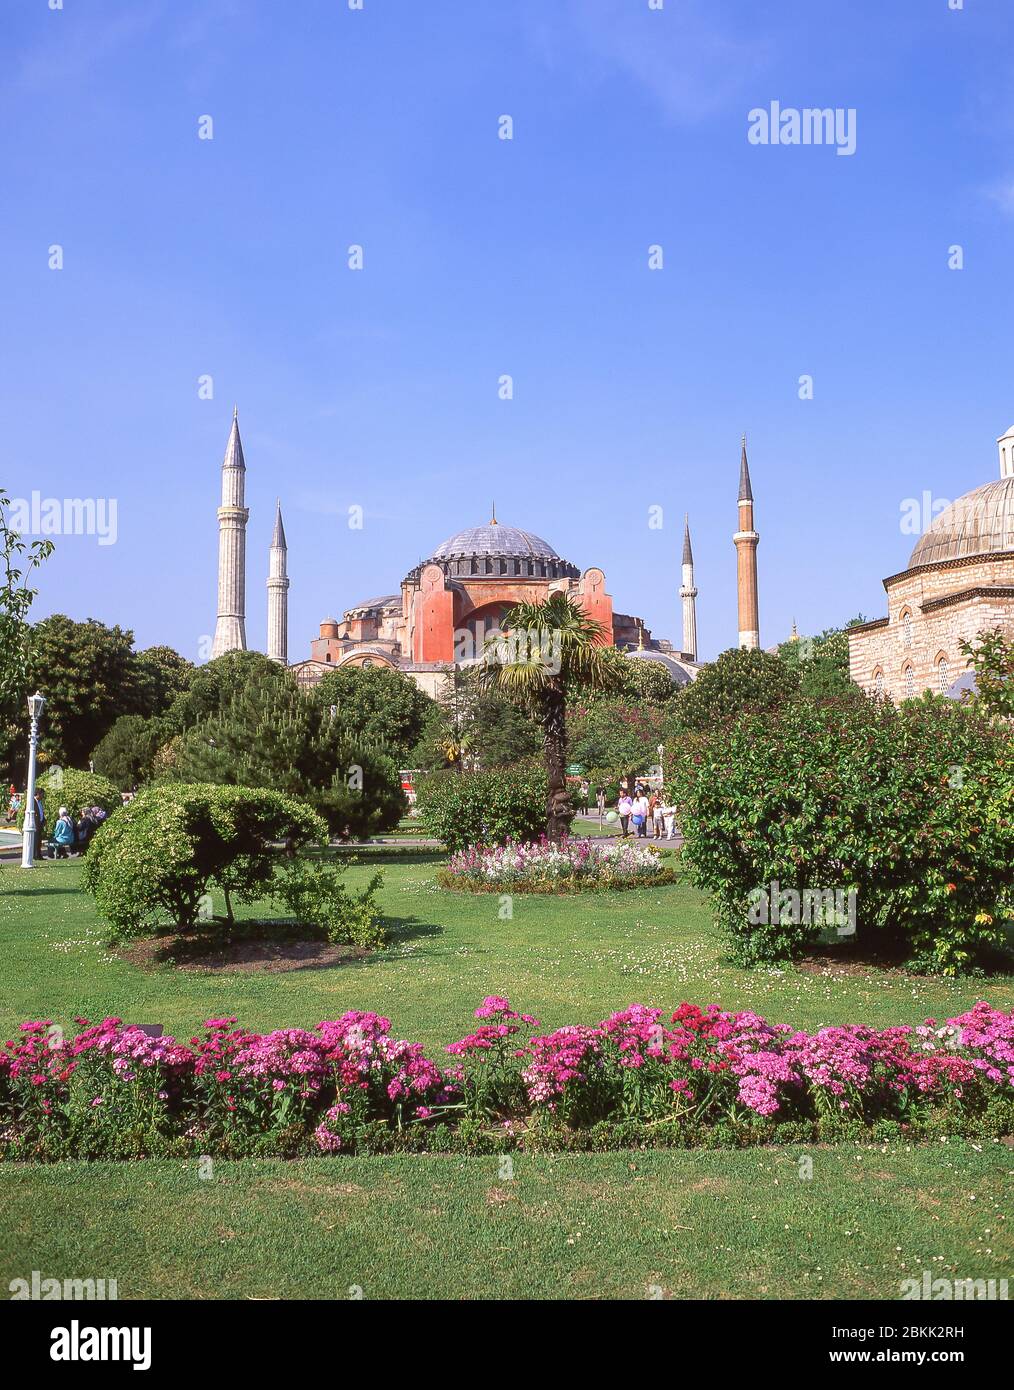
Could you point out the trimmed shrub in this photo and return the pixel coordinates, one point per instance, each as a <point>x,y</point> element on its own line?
<point>484,808</point>
<point>151,865</point>
<point>908,809</point>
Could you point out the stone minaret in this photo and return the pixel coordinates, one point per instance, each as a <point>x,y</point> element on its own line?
<point>278,593</point>
<point>746,539</point>
<point>1006,446</point>
<point>230,629</point>
<point>688,593</point>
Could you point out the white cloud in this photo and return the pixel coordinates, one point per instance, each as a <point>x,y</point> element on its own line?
<point>686,58</point>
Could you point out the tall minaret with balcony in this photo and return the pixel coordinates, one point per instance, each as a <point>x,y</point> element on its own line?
<point>278,593</point>
<point>688,593</point>
<point>230,629</point>
<point>746,539</point>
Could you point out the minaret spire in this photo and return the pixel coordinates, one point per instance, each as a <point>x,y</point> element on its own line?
<point>746,539</point>
<point>230,627</point>
<point>688,594</point>
<point>278,593</point>
<point>745,490</point>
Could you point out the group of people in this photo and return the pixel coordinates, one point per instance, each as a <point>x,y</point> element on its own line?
<point>67,837</point>
<point>641,808</point>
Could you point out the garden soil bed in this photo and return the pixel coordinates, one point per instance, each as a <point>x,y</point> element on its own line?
<point>202,957</point>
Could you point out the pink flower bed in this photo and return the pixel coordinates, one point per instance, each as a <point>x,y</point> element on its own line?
<point>113,1091</point>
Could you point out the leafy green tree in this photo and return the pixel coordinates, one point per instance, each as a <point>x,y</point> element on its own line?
<point>267,735</point>
<point>551,650</point>
<point>16,597</point>
<point>822,663</point>
<point>741,679</point>
<point>161,675</point>
<point>376,703</point>
<point>471,726</point>
<point>992,657</point>
<point>645,681</point>
<point>210,688</point>
<point>127,752</point>
<point>86,671</point>
<point>616,733</point>
<point>271,735</point>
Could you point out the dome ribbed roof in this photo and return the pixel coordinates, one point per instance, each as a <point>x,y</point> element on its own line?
<point>980,523</point>
<point>495,539</point>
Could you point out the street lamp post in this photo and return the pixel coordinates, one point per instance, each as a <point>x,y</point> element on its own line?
<point>661,774</point>
<point>36,704</point>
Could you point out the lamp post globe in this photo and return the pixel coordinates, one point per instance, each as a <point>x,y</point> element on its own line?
<point>36,704</point>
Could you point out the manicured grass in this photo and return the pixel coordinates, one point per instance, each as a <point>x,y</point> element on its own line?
<point>571,959</point>
<point>624,1225</point>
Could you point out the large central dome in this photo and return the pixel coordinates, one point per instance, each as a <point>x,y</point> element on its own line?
<point>496,540</point>
<point>980,523</point>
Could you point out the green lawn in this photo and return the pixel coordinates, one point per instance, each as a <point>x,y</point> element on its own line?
<point>722,1224</point>
<point>569,959</point>
<point>625,1225</point>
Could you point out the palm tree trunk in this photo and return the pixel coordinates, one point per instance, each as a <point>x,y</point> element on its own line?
<point>554,744</point>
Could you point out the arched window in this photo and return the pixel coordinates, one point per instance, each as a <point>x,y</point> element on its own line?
<point>909,679</point>
<point>328,657</point>
<point>943,673</point>
<point>878,681</point>
<point>906,627</point>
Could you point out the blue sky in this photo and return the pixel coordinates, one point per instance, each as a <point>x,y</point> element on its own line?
<point>378,388</point>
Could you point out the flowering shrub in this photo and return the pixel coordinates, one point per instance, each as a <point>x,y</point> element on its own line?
<point>542,867</point>
<point>114,1092</point>
<point>908,808</point>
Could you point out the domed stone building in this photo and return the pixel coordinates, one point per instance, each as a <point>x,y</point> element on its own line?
<point>959,580</point>
<point>449,603</point>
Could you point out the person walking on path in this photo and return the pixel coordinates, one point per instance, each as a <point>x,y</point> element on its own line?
<point>640,815</point>
<point>655,811</point>
<point>624,807</point>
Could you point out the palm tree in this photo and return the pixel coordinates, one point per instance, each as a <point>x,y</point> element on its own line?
<point>544,652</point>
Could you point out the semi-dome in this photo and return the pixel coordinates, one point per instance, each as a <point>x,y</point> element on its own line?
<point>494,539</point>
<point>980,523</point>
<point>677,671</point>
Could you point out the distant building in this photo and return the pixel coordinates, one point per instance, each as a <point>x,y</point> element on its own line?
<point>448,605</point>
<point>959,581</point>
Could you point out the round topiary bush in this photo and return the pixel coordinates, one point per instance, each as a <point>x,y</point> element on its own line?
<point>151,866</point>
